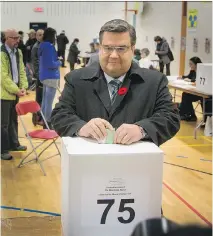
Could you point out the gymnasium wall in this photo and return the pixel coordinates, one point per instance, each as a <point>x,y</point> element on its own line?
<point>84,19</point>
<point>203,31</point>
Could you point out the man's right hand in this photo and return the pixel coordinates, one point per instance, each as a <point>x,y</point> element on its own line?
<point>95,128</point>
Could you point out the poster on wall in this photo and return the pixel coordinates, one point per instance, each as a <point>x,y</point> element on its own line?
<point>195,45</point>
<point>192,19</point>
<point>172,42</point>
<point>207,45</point>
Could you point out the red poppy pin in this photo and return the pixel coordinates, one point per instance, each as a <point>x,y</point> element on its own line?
<point>122,91</point>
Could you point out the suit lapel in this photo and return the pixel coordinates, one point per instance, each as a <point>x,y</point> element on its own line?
<point>119,98</point>
<point>101,90</point>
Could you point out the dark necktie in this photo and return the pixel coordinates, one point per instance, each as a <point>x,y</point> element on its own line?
<point>115,84</point>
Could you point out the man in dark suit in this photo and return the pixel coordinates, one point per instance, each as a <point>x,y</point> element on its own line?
<point>62,41</point>
<point>116,93</point>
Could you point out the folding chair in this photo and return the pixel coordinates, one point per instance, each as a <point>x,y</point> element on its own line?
<point>23,108</point>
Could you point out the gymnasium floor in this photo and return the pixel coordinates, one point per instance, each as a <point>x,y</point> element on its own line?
<point>27,194</point>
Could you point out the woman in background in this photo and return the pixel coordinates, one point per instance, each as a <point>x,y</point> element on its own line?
<point>137,55</point>
<point>49,73</point>
<point>162,50</point>
<point>145,62</point>
<point>73,54</point>
<point>187,111</point>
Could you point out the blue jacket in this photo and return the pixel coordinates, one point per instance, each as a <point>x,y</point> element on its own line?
<point>48,62</point>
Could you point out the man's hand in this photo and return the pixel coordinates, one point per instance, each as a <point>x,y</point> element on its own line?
<point>95,128</point>
<point>127,134</point>
<point>21,93</point>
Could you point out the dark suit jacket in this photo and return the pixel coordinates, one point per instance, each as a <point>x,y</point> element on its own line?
<point>73,53</point>
<point>147,103</point>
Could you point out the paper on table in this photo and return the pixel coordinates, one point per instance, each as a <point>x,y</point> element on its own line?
<point>182,82</point>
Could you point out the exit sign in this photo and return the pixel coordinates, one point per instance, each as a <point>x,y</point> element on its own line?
<point>38,9</point>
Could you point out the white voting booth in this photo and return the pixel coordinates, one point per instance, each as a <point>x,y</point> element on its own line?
<point>204,78</point>
<point>108,188</point>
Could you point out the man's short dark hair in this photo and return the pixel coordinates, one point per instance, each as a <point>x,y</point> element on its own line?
<point>157,38</point>
<point>76,40</point>
<point>118,26</point>
<point>21,32</point>
<point>3,39</point>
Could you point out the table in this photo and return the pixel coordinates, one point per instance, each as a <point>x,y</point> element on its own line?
<point>108,188</point>
<point>190,88</point>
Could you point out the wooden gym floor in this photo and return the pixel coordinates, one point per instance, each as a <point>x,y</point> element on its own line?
<point>27,194</point>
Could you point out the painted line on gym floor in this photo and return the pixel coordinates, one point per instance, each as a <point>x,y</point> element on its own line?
<point>188,205</point>
<point>207,139</point>
<point>188,145</point>
<point>30,210</point>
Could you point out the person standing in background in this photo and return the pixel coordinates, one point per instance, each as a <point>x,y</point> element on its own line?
<point>2,37</point>
<point>145,61</point>
<point>94,57</point>
<point>35,65</point>
<point>29,45</point>
<point>21,46</point>
<point>62,41</point>
<point>13,86</point>
<point>73,54</point>
<point>162,50</point>
<point>49,73</point>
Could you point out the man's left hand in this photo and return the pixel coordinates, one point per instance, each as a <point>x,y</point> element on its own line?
<point>127,134</point>
<point>23,91</point>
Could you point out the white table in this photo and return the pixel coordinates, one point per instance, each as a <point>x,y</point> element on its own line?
<point>107,188</point>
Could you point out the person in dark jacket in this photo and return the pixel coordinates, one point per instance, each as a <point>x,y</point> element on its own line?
<point>29,45</point>
<point>49,73</point>
<point>116,93</point>
<point>187,111</point>
<point>162,50</point>
<point>73,54</point>
<point>21,46</point>
<point>62,41</point>
<point>35,65</point>
<point>2,37</point>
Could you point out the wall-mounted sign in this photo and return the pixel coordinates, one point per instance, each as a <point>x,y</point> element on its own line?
<point>38,9</point>
<point>195,45</point>
<point>207,45</point>
<point>192,19</point>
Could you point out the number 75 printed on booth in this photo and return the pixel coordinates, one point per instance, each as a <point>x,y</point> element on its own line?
<point>113,201</point>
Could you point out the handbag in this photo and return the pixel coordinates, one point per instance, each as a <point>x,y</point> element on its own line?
<point>170,55</point>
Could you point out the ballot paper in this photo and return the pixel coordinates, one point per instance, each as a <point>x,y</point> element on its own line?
<point>109,139</point>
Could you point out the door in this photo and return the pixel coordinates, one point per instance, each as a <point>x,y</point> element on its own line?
<point>38,25</point>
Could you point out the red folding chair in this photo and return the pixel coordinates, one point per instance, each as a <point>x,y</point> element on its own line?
<point>24,108</point>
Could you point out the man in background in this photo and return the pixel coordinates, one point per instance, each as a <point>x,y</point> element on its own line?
<point>21,46</point>
<point>29,45</point>
<point>35,66</point>
<point>62,41</point>
<point>13,85</point>
<point>94,56</point>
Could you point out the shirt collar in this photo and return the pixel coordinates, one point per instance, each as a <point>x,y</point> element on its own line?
<point>94,70</point>
<point>109,78</point>
<point>9,49</point>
